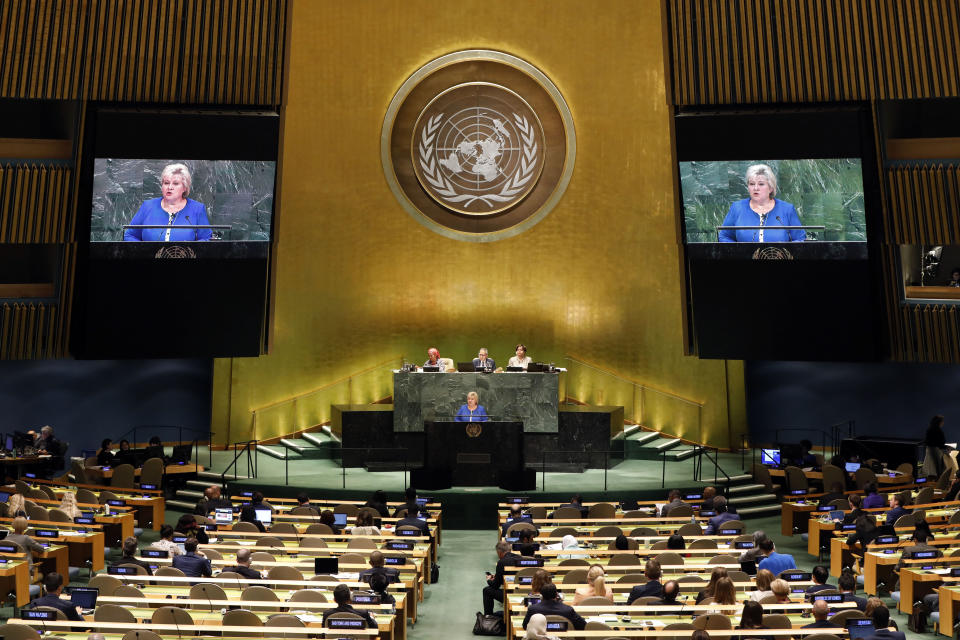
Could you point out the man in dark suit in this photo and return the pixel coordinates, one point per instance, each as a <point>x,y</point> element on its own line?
<point>413,521</point>
<point>376,567</point>
<point>673,500</point>
<point>53,586</point>
<point>494,589</point>
<point>847,583</point>
<point>192,564</point>
<point>550,605</point>
<point>897,510</point>
<point>671,589</point>
<point>129,556</point>
<point>652,587</point>
<point>341,595</point>
<point>243,566</point>
<point>821,611</point>
<point>482,362</point>
<point>836,493</point>
<point>212,500</point>
<point>410,505</point>
<point>515,516</point>
<point>820,576</point>
<point>854,502</point>
<point>716,522</point>
<point>881,621</point>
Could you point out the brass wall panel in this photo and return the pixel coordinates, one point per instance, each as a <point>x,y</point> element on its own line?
<point>201,52</point>
<point>34,201</point>
<point>23,331</point>
<point>924,201</point>
<point>812,50</point>
<point>357,280</point>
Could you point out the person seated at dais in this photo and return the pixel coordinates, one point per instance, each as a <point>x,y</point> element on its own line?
<point>521,359</point>
<point>483,362</point>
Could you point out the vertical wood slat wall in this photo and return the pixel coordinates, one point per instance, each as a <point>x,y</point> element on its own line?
<point>740,52</point>
<point>226,52</point>
<point>183,52</point>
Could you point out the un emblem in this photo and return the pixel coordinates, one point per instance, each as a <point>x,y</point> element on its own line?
<point>478,145</point>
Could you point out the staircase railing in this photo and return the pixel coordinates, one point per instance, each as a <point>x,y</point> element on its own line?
<point>250,448</point>
<point>699,451</point>
<point>666,412</point>
<point>311,408</point>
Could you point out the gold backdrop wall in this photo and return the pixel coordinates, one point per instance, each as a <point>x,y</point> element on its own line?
<point>359,283</point>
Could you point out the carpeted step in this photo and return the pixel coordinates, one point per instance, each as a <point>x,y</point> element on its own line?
<point>274,451</point>
<point>759,510</point>
<point>216,477</point>
<point>307,448</point>
<point>739,479</point>
<point>181,505</point>
<point>743,489</point>
<point>754,499</point>
<point>189,494</point>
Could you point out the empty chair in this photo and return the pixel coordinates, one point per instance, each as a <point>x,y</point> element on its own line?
<point>796,478</point>
<point>712,622</point>
<point>60,614</point>
<point>258,593</point>
<point>832,475</point>
<point>669,559</point>
<point>643,532</point>
<point>85,496</point>
<point>113,613</point>
<point>689,578</point>
<point>50,493</point>
<point>738,576</point>
<point>776,621</point>
<point>839,503</point>
<point>246,527</point>
<point>107,584</point>
<point>680,511</point>
<point>560,532</point>
<point>352,558</point>
<point>645,601</point>
<point>304,511</point>
<point>575,576</point>
<point>242,618</point>
<point>659,545</point>
<point>18,632</point>
<point>284,573</point>
<point>608,531</point>
<point>594,625</point>
<point>139,569</point>
<point>123,476</point>
<point>36,512</point>
<point>312,545</point>
<point>171,615</point>
<point>283,527</point>
<point>573,562</point>
<point>56,515</point>
<point>527,571</point>
<point>906,468</point>
<point>231,575</point>
<point>863,476</point>
<point>269,541</point>
<point>350,509</point>
<point>731,525</point>
<point>634,578</point>
<point>906,520</point>
<point>307,595</point>
<point>943,482</point>
<point>623,559</point>
<point>538,513</point>
<point>955,518</point>
<point>152,472</point>
<point>821,636</point>
<point>925,495</point>
<point>212,554</point>
<point>602,510</point>
<point>635,513</point>
<point>78,473</point>
<point>141,634</point>
<point>207,591</point>
<point>169,571</point>
<point>761,475</point>
<point>38,494</point>
<point>106,495</point>
<point>594,601</point>
<point>284,620</point>
<point>318,528</point>
<point>690,529</point>
<point>632,544</point>
<point>262,556</point>
<point>723,558</point>
<point>840,619</point>
<point>361,543</point>
<point>512,531</point>
<point>567,513</point>
<point>702,544</point>
<point>128,591</point>
<point>679,626</point>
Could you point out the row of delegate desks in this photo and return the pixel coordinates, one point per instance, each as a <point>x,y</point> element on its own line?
<point>185,469</point>
<point>795,514</point>
<point>85,543</point>
<point>116,630</point>
<point>149,504</point>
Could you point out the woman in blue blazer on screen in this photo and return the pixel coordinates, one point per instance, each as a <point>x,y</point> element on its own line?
<point>762,209</point>
<point>172,208</point>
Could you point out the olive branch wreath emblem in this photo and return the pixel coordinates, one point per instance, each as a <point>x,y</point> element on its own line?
<point>445,189</point>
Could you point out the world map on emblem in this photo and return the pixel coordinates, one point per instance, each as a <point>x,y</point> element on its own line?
<point>478,149</point>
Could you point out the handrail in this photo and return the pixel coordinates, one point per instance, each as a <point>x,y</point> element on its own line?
<point>633,382</point>
<point>300,396</point>
<point>700,450</point>
<point>251,465</point>
<point>543,463</point>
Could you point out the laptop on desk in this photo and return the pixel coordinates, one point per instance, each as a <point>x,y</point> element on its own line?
<point>85,598</point>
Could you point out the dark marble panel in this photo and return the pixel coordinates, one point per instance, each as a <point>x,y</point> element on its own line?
<point>235,192</point>
<point>584,434</point>
<point>530,397</point>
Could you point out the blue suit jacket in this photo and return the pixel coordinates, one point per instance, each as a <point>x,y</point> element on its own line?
<point>741,215</point>
<point>555,608</point>
<point>652,588</point>
<point>51,600</point>
<point>152,213</point>
<point>192,565</point>
<point>491,363</point>
<point>716,521</point>
<point>478,415</point>
<point>777,562</point>
<point>895,513</point>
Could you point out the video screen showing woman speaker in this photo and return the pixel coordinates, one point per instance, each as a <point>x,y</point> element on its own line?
<point>138,200</point>
<point>773,201</point>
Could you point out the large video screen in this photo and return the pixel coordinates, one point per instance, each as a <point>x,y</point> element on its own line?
<point>174,200</point>
<point>761,200</point>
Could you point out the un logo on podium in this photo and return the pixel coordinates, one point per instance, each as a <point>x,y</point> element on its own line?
<point>478,145</point>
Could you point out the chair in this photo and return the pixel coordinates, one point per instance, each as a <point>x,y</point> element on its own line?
<point>919,516</point>
<point>839,503</point>
<point>107,584</point>
<point>635,513</point>
<point>906,520</point>
<point>677,626</point>
<point>538,513</point>
<point>283,527</point>
<point>738,576</point>
<point>770,599</point>
<point>207,591</point>
<point>943,482</point>
<point>832,474</point>
<point>341,615</point>
<point>602,510</point>
<point>568,513</point>
<point>269,541</point>
<point>821,636</point>
<point>56,515</point>
<point>690,529</point>
<point>304,511</point>
<point>113,613</point>
<point>512,531</point>
<point>60,614</point>
<point>659,545</point>
<point>50,494</point>
<point>761,475</point>
<point>325,577</point>
<point>863,476</point>
<point>576,562</point>
<point>352,558</point>
<point>559,532</point>
<point>311,542</point>
<point>669,559</point>
<point>645,601</point>
<point>712,622</point>
<point>635,578</point>
<point>447,364</point>
<point>632,544</point>
<point>231,575</point>
<point>105,495</point>
<point>284,620</point>
<point>723,558</point>
<point>144,634</point>
<point>212,554</point>
<point>643,532</point>
<point>776,621</point>
<point>123,476</point>
<point>840,619</point>
<point>575,576</point>
<point>242,618</point>
<point>350,509</point>
<point>38,494</point>
<point>262,556</point>
<point>680,511</point>
<point>258,593</point>
<point>906,468</point>
<point>955,518</point>
<point>361,543</point>
<point>169,571</point>
<point>689,578</point>
<point>152,472</point>
<point>925,495</point>
<point>703,544</point>
<point>527,571</point>
<point>246,527</point>
<point>593,625</point>
<point>78,473</point>
<point>623,559</point>
<point>18,632</point>
<point>307,595</point>
<point>85,496</point>
<point>732,525</point>
<point>284,573</point>
<point>128,591</point>
<point>317,528</point>
<point>36,512</point>
<point>796,478</point>
<point>608,531</point>
<point>140,570</point>
<point>171,615</point>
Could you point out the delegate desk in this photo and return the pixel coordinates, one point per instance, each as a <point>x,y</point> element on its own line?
<point>149,503</point>
<point>85,542</point>
<point>169,470</point>
<point>531,398</point>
